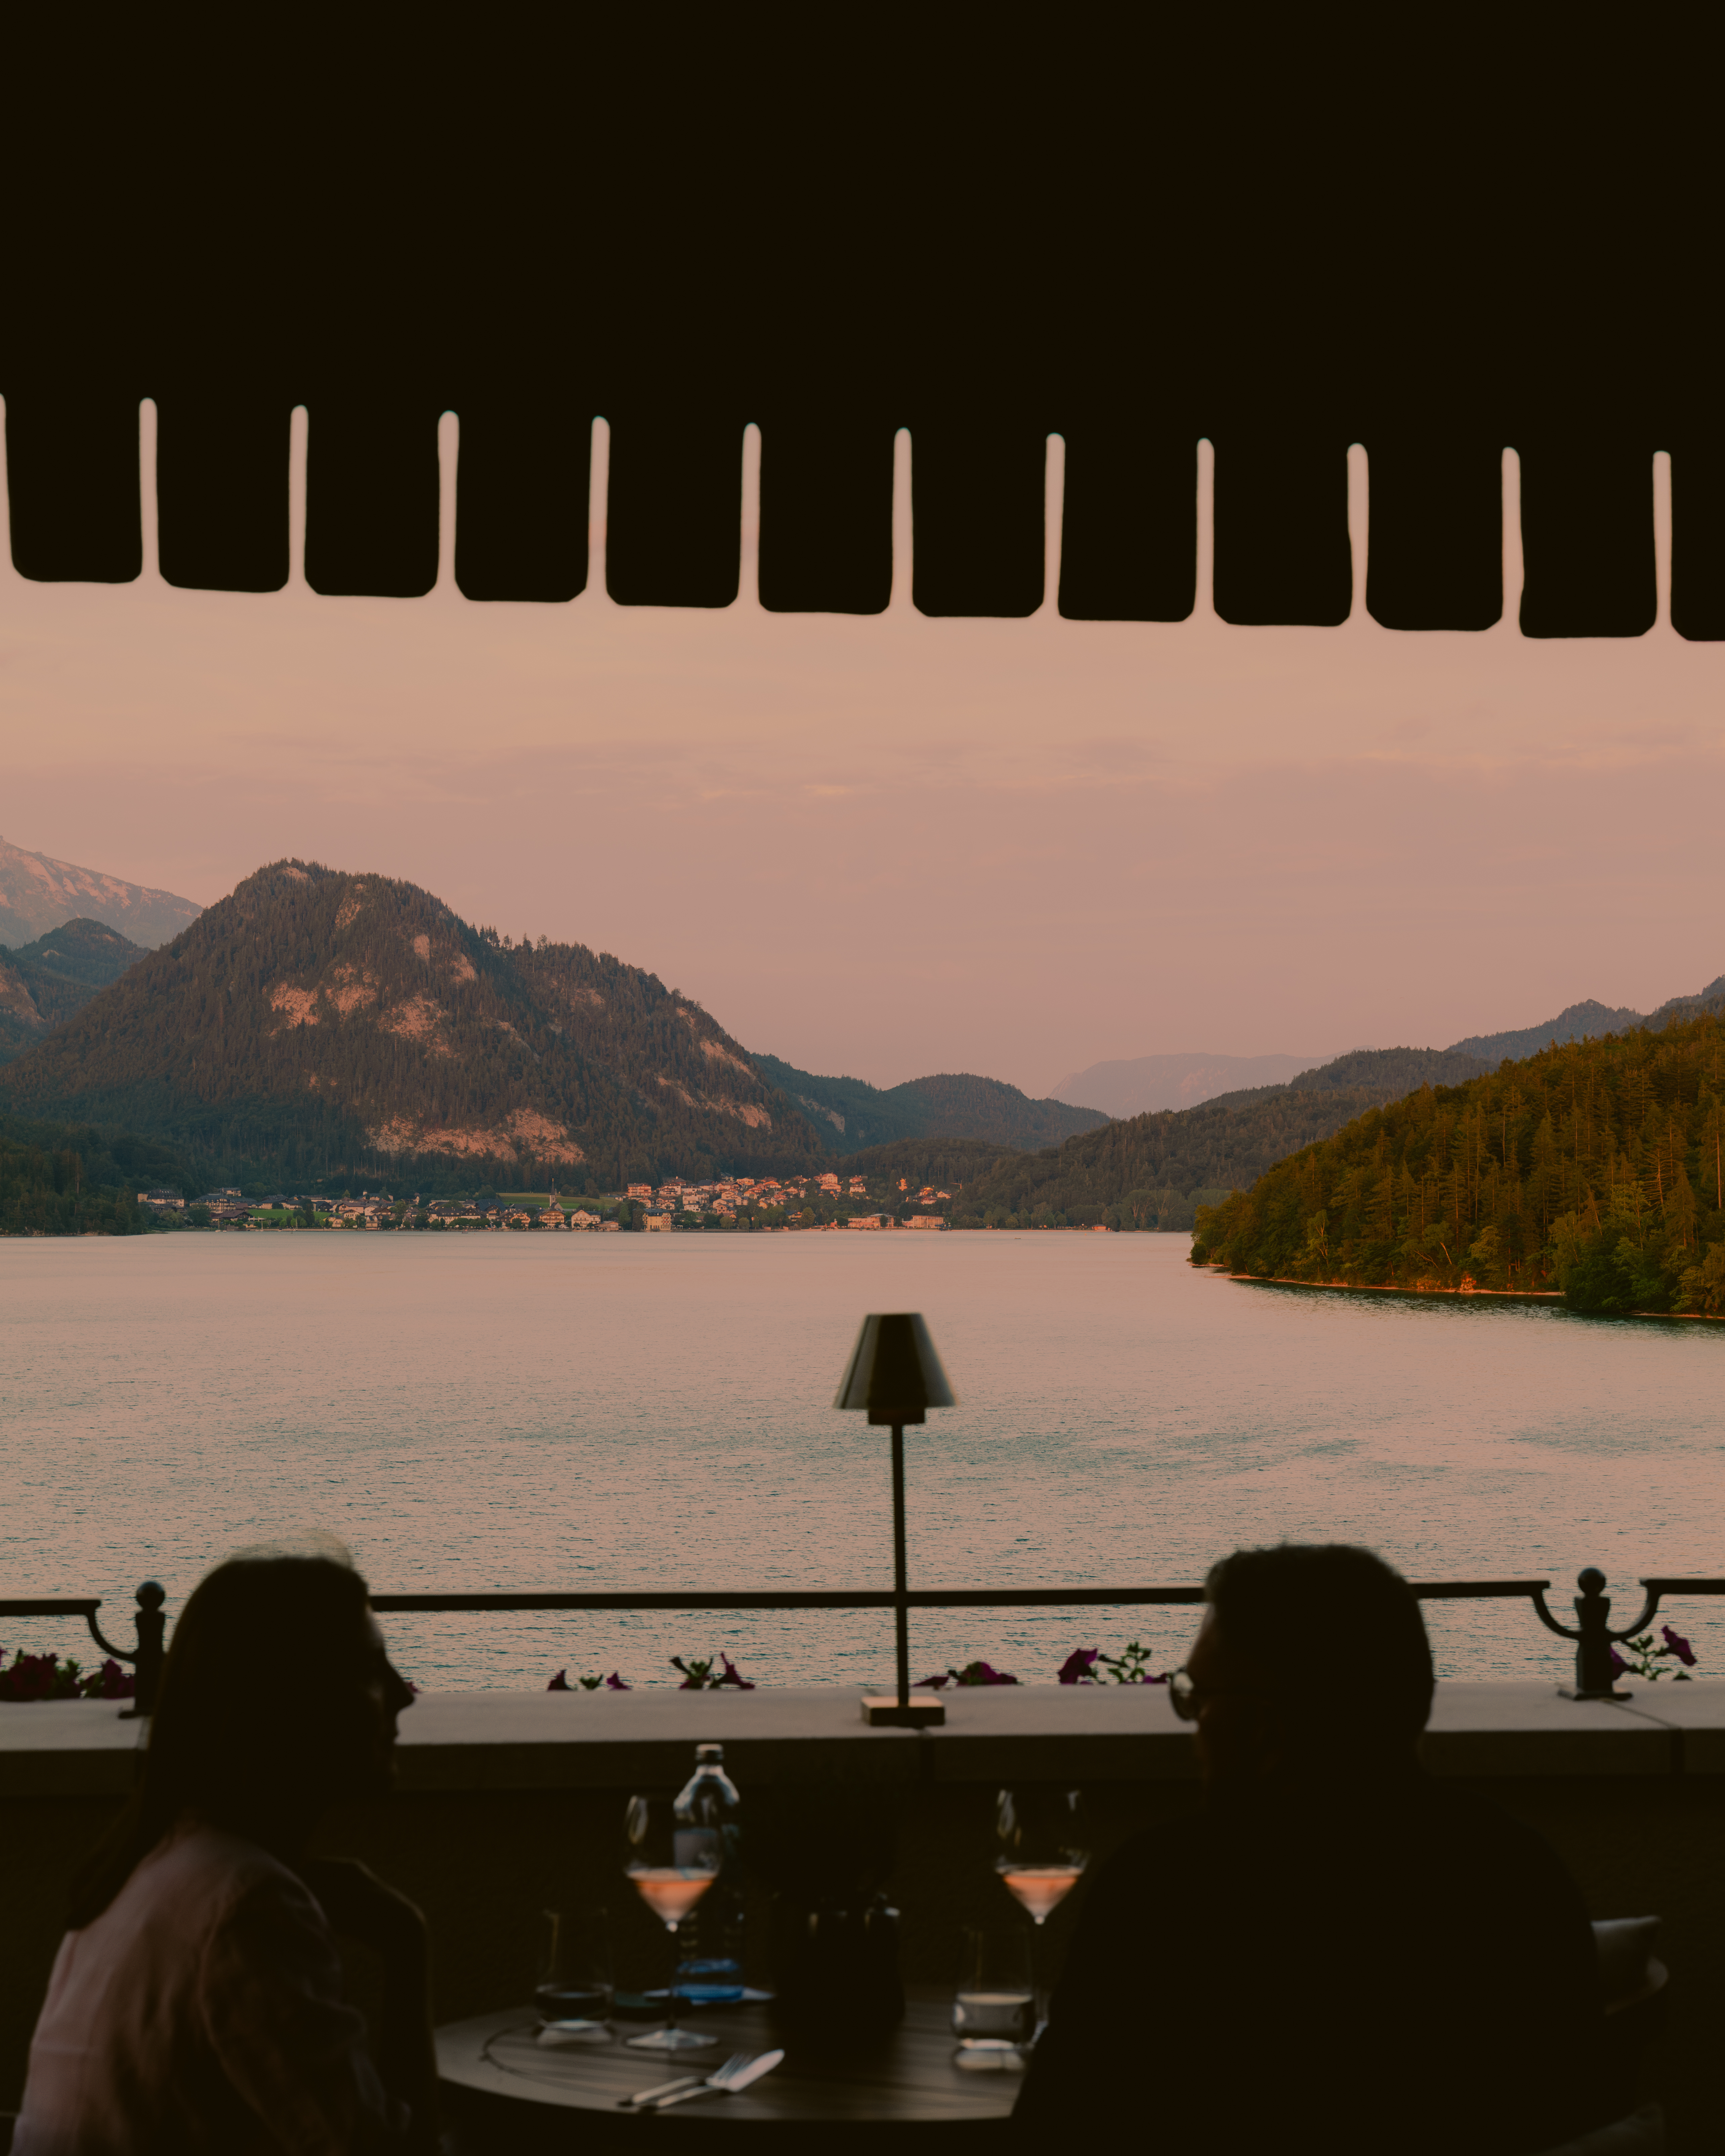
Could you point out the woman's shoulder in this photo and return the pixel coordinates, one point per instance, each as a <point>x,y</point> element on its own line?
<point>205,1867</point>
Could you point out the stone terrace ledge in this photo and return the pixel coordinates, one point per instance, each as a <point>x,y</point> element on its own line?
<point>494,1741</point>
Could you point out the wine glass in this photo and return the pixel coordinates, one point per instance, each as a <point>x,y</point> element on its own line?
<point>574,1990</point>
<point>1043,1846</point>
<point>671,1865</point>
<point>1042,1841</point>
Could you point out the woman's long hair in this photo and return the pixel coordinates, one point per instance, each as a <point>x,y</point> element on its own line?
<point>258,1671</point>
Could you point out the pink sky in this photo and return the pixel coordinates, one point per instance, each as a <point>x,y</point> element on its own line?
<point>895,846</point>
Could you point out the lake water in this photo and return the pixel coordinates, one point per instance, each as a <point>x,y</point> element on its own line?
<point>607,1412</point>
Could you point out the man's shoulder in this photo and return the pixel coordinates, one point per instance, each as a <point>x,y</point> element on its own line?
<point>1462,1817</point>
<point>1166,1863</point>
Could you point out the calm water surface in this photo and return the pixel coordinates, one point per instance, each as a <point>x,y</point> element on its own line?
<point>587,1411</point>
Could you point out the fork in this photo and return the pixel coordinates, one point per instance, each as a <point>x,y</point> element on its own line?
<point>717,2083</point>
<point>690,2083</point>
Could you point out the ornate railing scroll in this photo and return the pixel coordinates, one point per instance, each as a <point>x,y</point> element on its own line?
<point>145,1658</point>
<point>1594,1634</point>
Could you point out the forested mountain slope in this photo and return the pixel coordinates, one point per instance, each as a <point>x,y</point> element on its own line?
<point>1389,1072</point>
<point>22,1022</point>
<point>850,1114</point>
<point>1148,1166</point>
<point>1596,1167</point>
<point>946,1164</point>
<point>315,1024</point>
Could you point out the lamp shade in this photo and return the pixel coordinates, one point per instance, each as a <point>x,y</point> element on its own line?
<point>894,1371</point>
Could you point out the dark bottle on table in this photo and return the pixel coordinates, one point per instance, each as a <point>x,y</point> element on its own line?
<point>709,1812</point>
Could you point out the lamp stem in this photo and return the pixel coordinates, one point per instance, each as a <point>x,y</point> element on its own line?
<point>900,1604</point>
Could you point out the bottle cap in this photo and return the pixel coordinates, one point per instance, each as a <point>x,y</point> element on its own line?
<point>709,1755</point>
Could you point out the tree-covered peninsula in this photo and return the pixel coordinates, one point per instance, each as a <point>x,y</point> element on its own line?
<point>1595,1168</point>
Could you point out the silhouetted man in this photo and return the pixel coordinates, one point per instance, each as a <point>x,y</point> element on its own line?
<point>1337,1953</point>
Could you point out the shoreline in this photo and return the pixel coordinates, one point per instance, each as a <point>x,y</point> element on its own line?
<point>1467,1295</point>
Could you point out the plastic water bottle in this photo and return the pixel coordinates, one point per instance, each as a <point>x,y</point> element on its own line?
<point>710,1970</point>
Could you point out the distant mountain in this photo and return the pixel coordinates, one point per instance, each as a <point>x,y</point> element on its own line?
<point>48,981</point>
<point>850,1114</point>
<point>38,893</point>
<point>1587,1021</point>
<point>1154,1170</point>
<point>1139,1083</point>
<point>87,952</point>
<point>320,1026</point>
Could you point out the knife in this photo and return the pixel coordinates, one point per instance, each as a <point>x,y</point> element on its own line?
<point>731,2086</point>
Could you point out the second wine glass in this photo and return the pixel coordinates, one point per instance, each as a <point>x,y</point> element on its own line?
<point>671,1865</point>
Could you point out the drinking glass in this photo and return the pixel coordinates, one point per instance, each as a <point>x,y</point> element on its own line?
<point>574,1990</point>
<point>994,2007</point>
<point>671,1865</point>
<point>1042,1844</point>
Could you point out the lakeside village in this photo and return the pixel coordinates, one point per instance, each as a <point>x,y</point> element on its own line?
<point>804,1202</point>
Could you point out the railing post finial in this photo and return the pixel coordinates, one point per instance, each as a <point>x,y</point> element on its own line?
<point>1593,1677</point>
<point>152,1630</point>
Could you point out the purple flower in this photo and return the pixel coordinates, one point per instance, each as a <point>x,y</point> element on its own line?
<point>731,1677</point>
<point>1080,1666</point>
<point>1620,1668</point>
<point>981,1673</point>
<point>614,1683</point>
<point>38,1677</point>
<point>932,1684</point>
<point>1679,1646</point>
<point>560,1682</point>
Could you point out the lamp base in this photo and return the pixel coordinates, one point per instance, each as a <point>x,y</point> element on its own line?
<point>883,1711</point>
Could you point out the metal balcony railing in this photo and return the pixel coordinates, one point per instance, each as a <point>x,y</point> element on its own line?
<point>1593,1632</point>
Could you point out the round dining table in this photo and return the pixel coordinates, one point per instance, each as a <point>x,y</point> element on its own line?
<point>509,2086</point>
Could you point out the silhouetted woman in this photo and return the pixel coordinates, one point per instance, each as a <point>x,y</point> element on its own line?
<point>196,2002</point>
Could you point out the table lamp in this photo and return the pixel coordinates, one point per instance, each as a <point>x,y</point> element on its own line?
<point>895,1374</point>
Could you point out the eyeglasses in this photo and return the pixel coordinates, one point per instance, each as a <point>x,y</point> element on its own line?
<point>1189,1698</point>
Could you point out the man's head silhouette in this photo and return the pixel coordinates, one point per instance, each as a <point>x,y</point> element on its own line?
<point>1311,1663</point>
